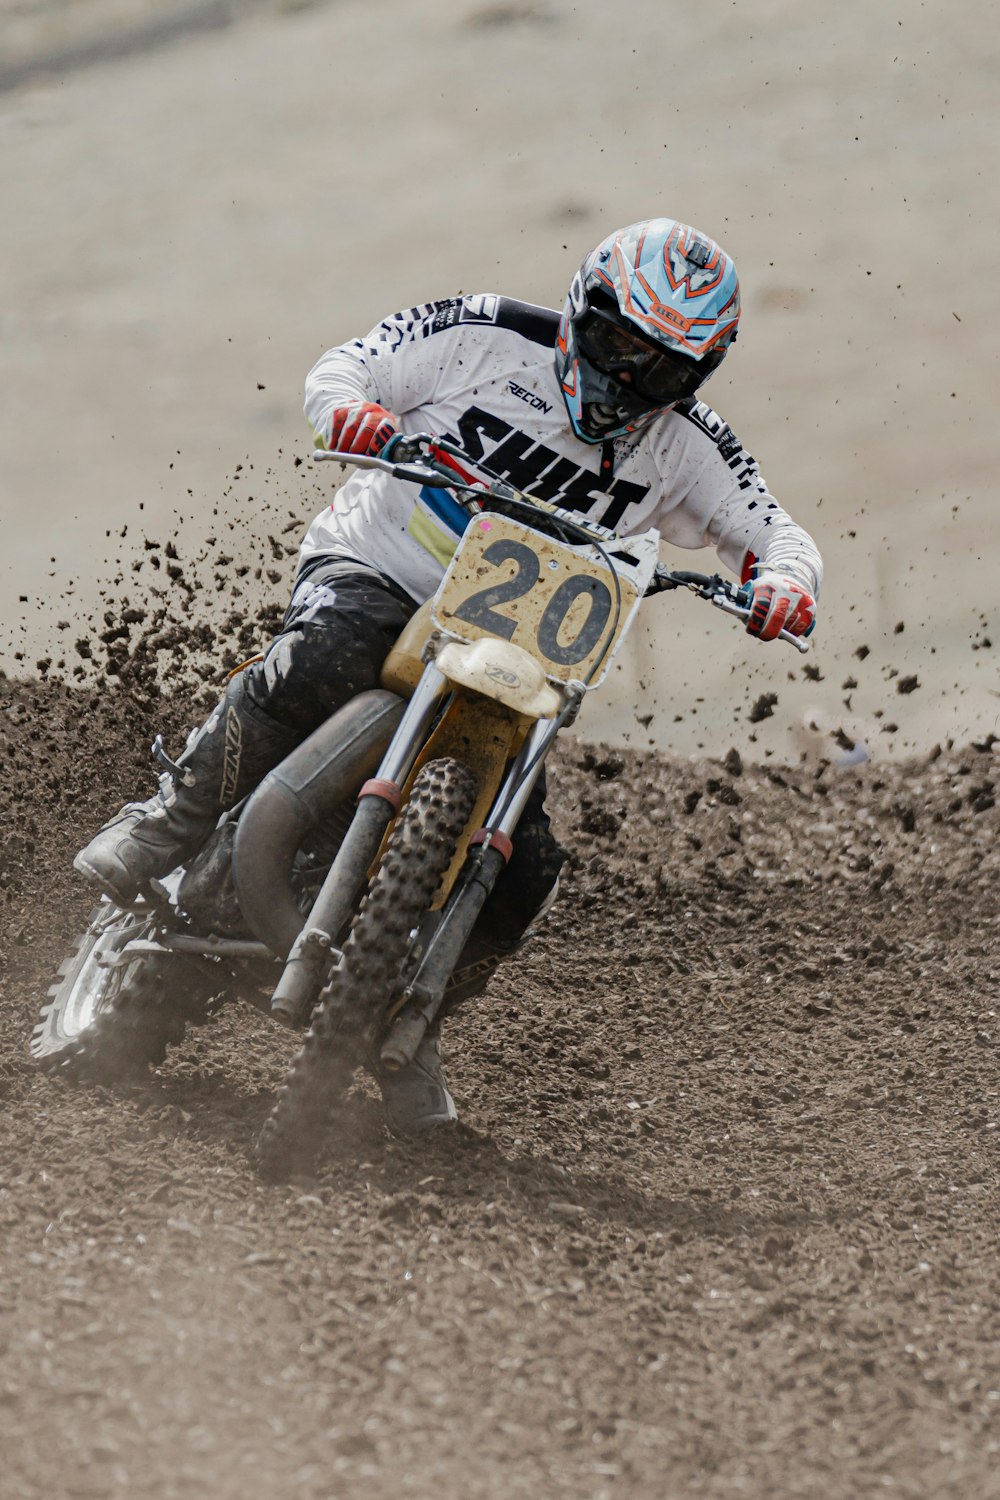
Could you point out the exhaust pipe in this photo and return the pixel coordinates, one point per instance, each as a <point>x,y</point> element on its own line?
<point>308,785</point>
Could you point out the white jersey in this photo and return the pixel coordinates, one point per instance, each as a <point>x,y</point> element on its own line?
<point>481,371</point>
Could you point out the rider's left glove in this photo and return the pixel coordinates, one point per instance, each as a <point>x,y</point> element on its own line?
<point>778,603</point>
<point>361,427</point>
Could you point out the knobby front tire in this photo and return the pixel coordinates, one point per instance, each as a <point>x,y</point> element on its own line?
<point>353,1003</point>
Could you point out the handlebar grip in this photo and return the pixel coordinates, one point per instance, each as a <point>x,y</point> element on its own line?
<point>730,607</point>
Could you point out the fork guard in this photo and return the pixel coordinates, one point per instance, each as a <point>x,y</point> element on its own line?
<point>306,787</point>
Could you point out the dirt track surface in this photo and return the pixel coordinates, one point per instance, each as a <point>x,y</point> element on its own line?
<point>720,1218</point>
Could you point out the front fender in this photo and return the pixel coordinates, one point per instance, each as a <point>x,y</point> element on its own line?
<point>502,671</point>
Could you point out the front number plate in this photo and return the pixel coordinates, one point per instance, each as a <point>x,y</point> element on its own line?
<point>511,582</point>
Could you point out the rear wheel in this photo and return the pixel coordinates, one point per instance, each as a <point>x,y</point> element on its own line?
<point>353,1004</point>
<point>108,1020</point>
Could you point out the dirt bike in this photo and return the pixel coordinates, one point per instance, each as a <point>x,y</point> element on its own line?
<point>361,864</point>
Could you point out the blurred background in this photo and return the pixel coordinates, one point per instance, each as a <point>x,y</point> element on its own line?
<point>198,198</point>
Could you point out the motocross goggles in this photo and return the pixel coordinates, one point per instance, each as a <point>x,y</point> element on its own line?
<point>639,365</point>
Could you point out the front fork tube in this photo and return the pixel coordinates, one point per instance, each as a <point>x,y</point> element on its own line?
<point>519,783</point>
<point>425,994</point>
<point>408,740</point>
<point>378,804</point>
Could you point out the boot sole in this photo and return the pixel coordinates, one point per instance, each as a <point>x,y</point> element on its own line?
<point>120,896</point>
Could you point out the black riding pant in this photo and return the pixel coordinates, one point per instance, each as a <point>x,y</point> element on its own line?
<point>342,621</point>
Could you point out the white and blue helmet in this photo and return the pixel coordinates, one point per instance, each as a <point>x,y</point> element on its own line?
<point>649,317</point>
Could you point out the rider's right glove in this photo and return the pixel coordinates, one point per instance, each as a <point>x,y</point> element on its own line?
<point>361,427</point>
<point>778,603</point>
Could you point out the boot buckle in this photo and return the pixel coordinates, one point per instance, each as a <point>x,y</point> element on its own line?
<point>180,773</point>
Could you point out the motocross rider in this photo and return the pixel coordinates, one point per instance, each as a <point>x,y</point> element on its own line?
<point>594,408</point>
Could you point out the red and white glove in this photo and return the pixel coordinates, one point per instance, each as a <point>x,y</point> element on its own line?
<point>778,603</point>
<point>361,427</point>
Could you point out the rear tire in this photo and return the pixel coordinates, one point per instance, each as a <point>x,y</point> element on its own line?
<point>106,1024</point>
<point>353,1004</point>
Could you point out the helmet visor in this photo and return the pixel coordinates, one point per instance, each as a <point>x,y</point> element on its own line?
<point>642,367</point>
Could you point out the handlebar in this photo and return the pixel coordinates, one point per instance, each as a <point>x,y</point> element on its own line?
<point>422,459</point>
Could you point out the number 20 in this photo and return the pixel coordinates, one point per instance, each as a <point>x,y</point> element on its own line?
<point>478,608</point>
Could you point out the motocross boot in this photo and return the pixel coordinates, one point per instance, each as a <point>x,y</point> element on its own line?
<point>417,1097</point>
<point>222,762</point>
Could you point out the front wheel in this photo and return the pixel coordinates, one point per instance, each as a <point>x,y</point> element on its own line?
<point>354,1001</point>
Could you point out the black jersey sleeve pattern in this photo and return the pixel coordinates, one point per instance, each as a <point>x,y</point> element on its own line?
<point>481,309</point>
<point>742,464</point>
